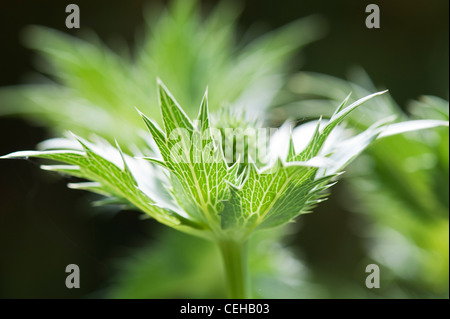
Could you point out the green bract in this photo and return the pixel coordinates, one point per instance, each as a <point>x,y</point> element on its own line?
<point>189,184</point>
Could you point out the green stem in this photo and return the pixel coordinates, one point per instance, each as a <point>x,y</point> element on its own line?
<point>234,256</point>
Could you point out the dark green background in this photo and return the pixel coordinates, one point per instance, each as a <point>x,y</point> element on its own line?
<point>44,226</point>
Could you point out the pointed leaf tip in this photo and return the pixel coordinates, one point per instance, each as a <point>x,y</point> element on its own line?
<point>173,115</point>
<point>409,126</point>
<point>203,113</point>
<point>141,114</point>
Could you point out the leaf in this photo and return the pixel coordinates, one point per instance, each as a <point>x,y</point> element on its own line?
<point>114,180</point>
<point>272,197</point>
<point>198,175</point>
<point>172,114</point>
<point>410,126</point>
<point>321,135</point>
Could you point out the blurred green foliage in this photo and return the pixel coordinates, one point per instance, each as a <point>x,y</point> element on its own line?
<point>402,183</point>
<point>87,88</point>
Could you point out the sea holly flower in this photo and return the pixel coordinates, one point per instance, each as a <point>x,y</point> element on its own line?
<point>185,181</point>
